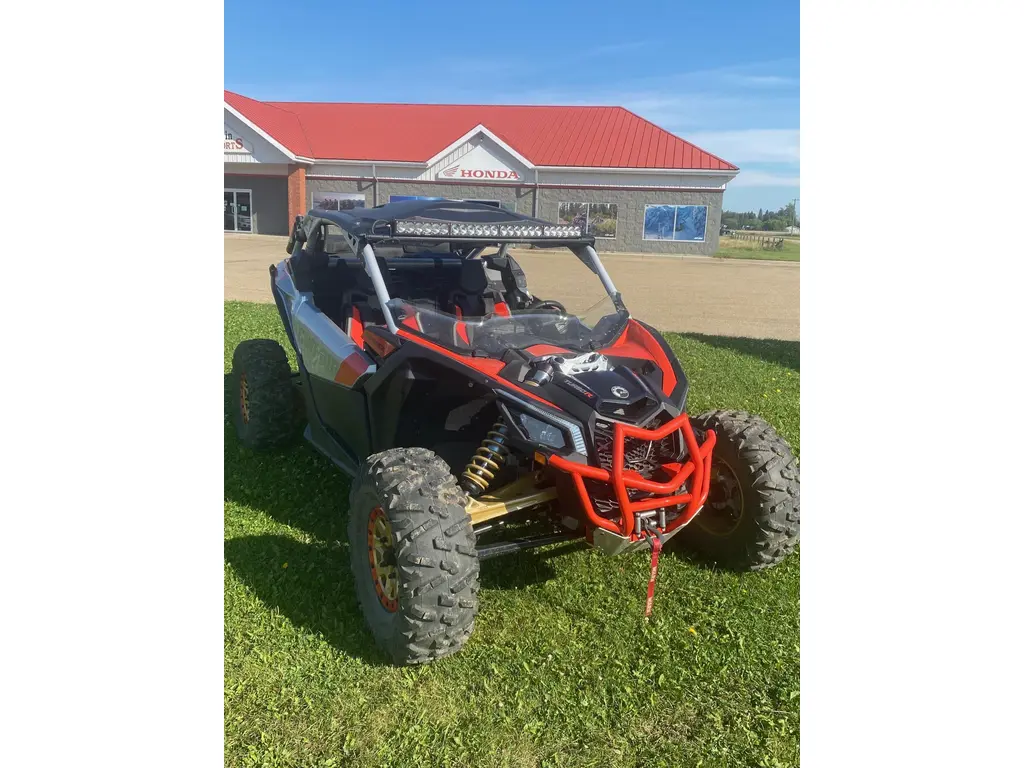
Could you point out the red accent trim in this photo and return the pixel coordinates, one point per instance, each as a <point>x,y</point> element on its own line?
<point>411,322</point>
<point>655,550</point>
<point>622,480</point>
<point>460,328</point>
<point>351,368</point>
<point>484,365</point>
<point>544,349</point>
<point>381,346</point>
<point>636,341</point>
<point>257,175</point>
<point>501,308</point>
<point>356,328</point>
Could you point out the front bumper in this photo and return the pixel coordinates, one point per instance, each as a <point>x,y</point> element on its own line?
<point>696,469</point>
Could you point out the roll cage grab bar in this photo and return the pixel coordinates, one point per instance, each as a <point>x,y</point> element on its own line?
<point>364,251</point>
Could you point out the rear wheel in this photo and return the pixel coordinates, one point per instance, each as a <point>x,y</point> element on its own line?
<point>264,398</point>
<point>751,519</point>
<point>413,555</point>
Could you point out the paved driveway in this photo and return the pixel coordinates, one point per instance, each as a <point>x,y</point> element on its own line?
<point>724,297</point>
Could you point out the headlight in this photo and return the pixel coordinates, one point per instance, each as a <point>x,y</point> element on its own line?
<point>540,431</point>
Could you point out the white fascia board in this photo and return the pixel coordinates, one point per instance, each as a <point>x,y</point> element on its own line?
<point>399,163</point>
<point>266,136</point>
<point>469,135</point>
<point>673,171</point>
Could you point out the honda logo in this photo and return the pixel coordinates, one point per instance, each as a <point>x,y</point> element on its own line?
<point>458,172</point>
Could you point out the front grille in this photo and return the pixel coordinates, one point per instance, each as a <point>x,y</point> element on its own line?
<point>632,412</point>
<point>643,456</point>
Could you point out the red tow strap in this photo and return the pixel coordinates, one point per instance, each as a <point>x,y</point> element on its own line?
<point>655,549</point>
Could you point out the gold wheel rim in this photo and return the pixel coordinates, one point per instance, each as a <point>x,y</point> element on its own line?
<point>243,386</point>
<point>380,542</point>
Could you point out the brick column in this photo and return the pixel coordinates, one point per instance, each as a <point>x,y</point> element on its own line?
<point>296,192</point>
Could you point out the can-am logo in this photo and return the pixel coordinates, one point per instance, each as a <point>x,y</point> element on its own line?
<point>455,172</point>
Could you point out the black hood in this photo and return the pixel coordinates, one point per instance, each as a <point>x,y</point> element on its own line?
<point>618,394</point>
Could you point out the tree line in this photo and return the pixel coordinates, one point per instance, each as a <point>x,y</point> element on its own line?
<point>769,221</point>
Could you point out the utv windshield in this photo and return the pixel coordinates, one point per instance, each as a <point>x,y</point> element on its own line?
<point>494,334</point>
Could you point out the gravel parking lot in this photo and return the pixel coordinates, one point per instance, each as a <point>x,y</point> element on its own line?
<point>755,299</point>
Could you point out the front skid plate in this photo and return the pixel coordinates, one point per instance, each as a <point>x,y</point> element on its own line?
<point>613,544</point>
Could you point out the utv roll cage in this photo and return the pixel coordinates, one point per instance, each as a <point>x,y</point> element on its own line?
<point>466,228</point>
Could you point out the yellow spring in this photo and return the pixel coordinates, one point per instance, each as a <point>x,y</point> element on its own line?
<point>488,459</point>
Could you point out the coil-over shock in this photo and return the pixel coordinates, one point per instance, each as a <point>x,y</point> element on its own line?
<point>488,459</point>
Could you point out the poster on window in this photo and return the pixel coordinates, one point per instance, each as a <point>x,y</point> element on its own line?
<point>597,219</point>
<point>492,203</point>
<point>403,198</point>
<point>691,221</point>
<point>602,219</point>
<point>338,201</point>
<point>682,223</point>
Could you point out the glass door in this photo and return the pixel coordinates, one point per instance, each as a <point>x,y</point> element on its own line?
<point>237,210</point>
<point>229,211</point>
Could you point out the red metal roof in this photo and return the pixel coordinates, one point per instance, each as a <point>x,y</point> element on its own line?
<point>585,137</point>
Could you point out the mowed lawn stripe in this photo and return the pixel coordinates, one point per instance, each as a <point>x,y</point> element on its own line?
<point>561,669</point>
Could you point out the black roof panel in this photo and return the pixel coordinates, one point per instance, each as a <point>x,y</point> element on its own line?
<point>364,221</point>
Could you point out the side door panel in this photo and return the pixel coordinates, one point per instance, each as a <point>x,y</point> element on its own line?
<point>336,367</point>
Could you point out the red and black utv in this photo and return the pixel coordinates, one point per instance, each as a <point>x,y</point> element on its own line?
<point>466,408</point>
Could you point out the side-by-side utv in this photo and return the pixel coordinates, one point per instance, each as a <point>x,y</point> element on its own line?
<point>478,419</point>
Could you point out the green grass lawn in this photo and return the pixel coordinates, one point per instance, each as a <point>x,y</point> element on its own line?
<point>561,670</point>
<point>731,248</point>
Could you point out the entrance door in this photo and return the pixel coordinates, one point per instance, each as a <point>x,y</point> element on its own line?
<point>238,210</point>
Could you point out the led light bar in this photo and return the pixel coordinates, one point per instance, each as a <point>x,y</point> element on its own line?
<point>444,229</point>
<point>474,230</point>
<point>425,228</point>
<point>561,231</point>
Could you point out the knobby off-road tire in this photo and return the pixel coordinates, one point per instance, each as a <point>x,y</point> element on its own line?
<point>765,488</point>
<point>264,400</point>
<point>434,550</point>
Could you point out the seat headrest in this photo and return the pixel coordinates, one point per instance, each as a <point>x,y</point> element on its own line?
<point>473,279</point>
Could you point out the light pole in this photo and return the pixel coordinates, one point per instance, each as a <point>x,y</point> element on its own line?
<point>795,201</point>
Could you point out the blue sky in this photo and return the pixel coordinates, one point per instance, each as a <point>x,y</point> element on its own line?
<point>724,75</point>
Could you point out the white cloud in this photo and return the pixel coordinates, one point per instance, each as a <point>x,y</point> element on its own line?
<point>760,81</point>
<point>756,145</point>
<point>764,179</point>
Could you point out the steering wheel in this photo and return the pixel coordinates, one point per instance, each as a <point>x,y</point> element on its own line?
<point>547,305</point>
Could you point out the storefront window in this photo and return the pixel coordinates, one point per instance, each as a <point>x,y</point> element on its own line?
<point>338,201</point>
<point>597,219</point>
<point>682,223</point>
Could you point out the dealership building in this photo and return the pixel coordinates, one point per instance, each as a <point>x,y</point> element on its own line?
<point>634,186</point>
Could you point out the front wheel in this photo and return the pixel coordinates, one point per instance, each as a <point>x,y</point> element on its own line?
<point>413,555</point>
<point>751,519</point>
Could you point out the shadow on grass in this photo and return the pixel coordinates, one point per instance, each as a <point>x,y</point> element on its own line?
<point>522,569</point>
<point>784,353</point>
<point>294,485</point>
<point>314,590</point>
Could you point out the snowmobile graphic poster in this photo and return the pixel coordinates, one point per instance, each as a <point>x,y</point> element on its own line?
<point>338,201</point>
<point>684,223</point>
<point>597,219</point>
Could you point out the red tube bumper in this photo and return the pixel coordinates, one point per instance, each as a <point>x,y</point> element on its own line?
<point>697,466</point>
